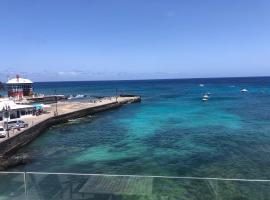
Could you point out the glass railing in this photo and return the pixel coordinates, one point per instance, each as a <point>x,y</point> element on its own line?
<point>12,186</point>
<point>58,186</point>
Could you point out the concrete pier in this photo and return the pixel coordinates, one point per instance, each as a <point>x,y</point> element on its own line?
<point>65,111</point>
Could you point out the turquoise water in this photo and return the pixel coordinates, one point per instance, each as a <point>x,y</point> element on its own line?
<point>171,132</point>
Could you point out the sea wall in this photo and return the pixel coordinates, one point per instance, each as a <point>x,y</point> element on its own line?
<point>11,145</point>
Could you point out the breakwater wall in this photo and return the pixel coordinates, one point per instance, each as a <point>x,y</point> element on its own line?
<point>11,145</point>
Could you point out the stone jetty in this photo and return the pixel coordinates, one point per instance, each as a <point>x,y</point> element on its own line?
<point>57,113</point>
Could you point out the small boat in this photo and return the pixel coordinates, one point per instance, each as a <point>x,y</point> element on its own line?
<point>201,85</point>
<point>244,90</point>
<point>205,99</point>
<point>206,96</point>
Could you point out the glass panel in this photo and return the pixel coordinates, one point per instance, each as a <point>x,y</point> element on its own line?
<point>45,187</point>
<point>66,186</point>
<point>190,189</point>
<point>109,187</point>
<point>12,186</point>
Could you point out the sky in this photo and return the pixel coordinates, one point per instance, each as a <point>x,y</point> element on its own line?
<point>56,40</point>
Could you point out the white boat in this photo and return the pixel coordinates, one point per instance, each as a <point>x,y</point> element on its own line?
<point>244,90</point>
<point>206,96</point>
<point>205,99</point>
<point>201,85</point>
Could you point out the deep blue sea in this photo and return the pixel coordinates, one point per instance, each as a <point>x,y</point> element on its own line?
<point>171,132</point>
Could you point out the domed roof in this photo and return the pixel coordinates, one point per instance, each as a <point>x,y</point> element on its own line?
<point>19,80</point>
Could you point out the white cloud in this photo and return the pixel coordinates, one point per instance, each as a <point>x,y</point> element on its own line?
<point>70,73</point>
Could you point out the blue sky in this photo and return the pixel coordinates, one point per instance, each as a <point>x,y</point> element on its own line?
<point>56,40</point>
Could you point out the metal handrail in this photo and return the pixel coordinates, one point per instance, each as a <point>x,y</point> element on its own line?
<point>8,172</point>
<point>142,176</point>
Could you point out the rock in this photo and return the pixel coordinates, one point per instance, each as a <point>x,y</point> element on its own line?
<point>1,167</point>
<point>14,161</point>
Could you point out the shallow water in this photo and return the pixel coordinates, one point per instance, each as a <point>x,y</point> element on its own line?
<point>171,132</point>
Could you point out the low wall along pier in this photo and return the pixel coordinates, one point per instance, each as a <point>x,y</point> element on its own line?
<point>66,111</point>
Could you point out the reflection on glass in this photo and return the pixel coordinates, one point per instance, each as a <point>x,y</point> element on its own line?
<point>42,186</point>
<point>12,186</point>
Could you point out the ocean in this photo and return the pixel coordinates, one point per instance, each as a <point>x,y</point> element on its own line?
<point>172,132</point>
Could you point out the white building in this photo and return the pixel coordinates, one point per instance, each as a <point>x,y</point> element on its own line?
<point>19,87</point>
<point>15,110</point>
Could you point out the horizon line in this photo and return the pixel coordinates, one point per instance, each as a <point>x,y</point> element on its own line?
<point>156,79</point>
<point>151,79</point>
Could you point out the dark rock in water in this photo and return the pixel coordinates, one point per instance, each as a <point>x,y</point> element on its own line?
<point>13,161</point>
<point>1,168</point>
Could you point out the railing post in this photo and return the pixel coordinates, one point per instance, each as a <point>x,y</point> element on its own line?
<point>25,185</point>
